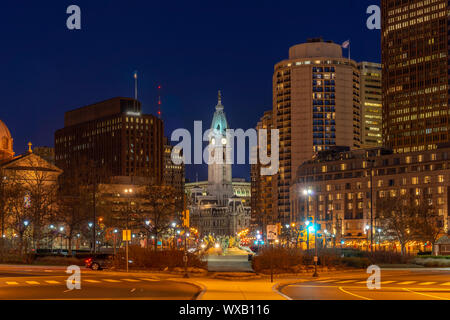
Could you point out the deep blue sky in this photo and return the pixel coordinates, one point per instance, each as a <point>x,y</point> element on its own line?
<point>191,48</point>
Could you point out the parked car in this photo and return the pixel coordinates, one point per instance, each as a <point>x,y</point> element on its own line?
<point>99,261</point>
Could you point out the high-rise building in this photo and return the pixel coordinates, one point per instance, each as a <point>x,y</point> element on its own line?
<point>218,211</point>
<point>113,135</point>
<point>371,104</point>
<point>261,186</point>
<point>415,74</point>
<point>46,153</point>
<point>316,106</point>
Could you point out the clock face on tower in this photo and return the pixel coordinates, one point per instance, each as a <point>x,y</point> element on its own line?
<point>224,141</point>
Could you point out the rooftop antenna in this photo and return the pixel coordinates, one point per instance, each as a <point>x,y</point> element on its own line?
<point>135,75</point>
<point>159,101</point>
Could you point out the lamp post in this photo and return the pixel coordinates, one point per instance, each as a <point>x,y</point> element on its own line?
<point>127,192</point>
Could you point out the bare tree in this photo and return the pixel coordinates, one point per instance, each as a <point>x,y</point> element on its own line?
<point>430,225</point>
<point>399,218</point>
<point>160,210</point>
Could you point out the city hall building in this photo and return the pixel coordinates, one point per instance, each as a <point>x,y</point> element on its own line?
<point>341,183</point>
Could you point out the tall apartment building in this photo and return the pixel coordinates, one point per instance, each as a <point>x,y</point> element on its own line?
<point>316,105</point>
<point>113,135</point>
<point>262,186</point>
<point>415,74</point>
<point>371,104</point>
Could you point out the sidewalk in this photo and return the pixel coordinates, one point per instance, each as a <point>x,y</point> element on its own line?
<point>215,289</point>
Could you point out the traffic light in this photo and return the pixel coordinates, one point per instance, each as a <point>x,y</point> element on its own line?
<point>186,218</point>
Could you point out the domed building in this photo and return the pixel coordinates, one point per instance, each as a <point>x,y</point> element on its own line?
<point>6,143</point>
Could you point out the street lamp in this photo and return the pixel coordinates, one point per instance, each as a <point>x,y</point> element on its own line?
<point>372,162</point>
<point>308,192</point>
<point>127,192</point>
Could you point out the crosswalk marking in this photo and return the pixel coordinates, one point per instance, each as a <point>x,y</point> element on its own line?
<point>131,280</point>
<point>11,282</point>
<point>32,282</point>
<point>425,283</point>
<point>52,281</point>
<point>92,281</point>
<point>111,280</point>
<point>149,279</point>
<point>407,282</point>
<point>445,284</point>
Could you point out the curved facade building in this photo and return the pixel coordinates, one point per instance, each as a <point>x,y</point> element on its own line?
<point>316,106</point>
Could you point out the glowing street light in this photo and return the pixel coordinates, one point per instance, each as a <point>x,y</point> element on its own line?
<point>90,224</point>
<point>217,245</point>
<point>25,223</point>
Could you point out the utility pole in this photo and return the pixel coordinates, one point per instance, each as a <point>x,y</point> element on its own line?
<point>371,204</point>
<point>185,223</point>
<point>316,255</point>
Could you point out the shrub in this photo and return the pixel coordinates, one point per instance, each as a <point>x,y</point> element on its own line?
<point>356,262</point>
<point>143,258</point>
<point>58,261</point>
<point>431,262</point>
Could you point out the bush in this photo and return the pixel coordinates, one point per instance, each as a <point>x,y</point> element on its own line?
<point>58,261</point>
<point>143,258</point>
<point>356,262</point>
<point>432,263</point>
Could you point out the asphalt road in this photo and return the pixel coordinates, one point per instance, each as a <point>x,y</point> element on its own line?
<point>34,282</point>
<point>412,284</point>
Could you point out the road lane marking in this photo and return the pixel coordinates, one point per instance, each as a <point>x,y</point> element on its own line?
<point>426,283</point>
<point>52,282</point>
<point>325,281</point>
<point>11,282</point>
<point>149,279</point>
<point>354,294</point>
<point>131,280</point>
<point>32,282</point>
<point>407,282</point>
<point>424,294</point>
<point>445,284</point>
<point>346,281</point>
<point>48,270</point>
<point>386,282</point>
<point>92,281</point>
<point>111,280</point>
<point>362,282</point>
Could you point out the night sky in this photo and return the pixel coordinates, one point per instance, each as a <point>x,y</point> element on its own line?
<point>190,48</point>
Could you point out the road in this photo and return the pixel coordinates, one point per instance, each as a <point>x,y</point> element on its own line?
<point>412,284</point>
<point>35,282</point>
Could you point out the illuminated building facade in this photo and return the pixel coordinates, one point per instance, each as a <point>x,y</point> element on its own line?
<point>341,184</point>
<point>262,186</point>
<point>316,106</point>
<point>414,43</point>
<point>371,104</point>
<point>218,211</point>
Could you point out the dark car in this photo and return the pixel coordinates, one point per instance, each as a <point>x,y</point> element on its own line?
<point>99,261</point>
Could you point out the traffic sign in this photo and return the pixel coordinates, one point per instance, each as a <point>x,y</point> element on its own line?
<point>126,235</point>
